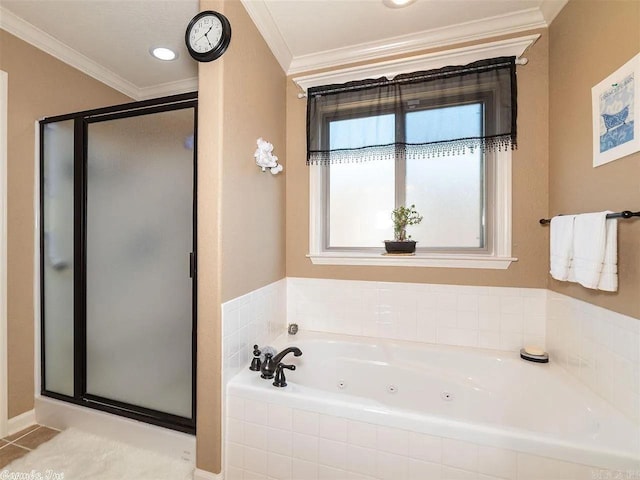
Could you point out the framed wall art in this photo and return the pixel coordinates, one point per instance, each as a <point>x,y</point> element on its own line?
<point>616,106</point>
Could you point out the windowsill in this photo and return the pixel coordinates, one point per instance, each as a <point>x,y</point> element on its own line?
<point>417,260</point>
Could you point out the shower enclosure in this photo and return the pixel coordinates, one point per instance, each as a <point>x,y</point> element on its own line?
<point>117,253</point>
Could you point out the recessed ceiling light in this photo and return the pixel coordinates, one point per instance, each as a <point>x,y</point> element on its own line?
<point>397,3</point>
<point>163,53</point>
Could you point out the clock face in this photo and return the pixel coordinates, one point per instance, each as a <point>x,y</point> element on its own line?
<point>208,36</point>
<point>205,34</point>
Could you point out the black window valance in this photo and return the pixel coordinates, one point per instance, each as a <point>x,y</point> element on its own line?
<point>491,84</point>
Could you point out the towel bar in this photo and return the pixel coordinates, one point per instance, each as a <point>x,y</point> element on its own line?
<point>623,214</point>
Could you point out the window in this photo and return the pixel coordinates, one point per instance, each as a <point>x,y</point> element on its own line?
<point>426,146</point>
<point>360,196</point>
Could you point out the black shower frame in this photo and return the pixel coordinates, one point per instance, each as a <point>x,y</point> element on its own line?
<point>80,397</point>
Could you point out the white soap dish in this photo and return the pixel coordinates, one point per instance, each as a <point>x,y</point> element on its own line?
<point>533,354</point>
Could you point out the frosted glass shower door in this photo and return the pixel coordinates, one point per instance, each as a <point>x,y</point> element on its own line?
<point>57,268</point>
<point>139,236</point>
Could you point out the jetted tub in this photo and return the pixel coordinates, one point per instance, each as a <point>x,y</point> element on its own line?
<point>485,397</point>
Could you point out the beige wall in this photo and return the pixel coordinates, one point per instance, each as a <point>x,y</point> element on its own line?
<point>588,41</point>
<point>253,213</point>
<point>241,240</point>
<point>530,195</point>
<point>39,86</point>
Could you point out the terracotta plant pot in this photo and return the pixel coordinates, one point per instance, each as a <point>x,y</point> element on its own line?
<point>408,246</point>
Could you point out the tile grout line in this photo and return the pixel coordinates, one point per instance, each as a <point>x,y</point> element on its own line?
<point>22,436</point>
<point>13,442</point>
<point>37,426</point>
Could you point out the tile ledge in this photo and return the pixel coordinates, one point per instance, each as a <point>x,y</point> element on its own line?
<point>418,260</point>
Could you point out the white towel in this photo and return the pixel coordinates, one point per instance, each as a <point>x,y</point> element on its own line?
<point>561,246</point>
<point>589,241</point>
<point>609,275</point>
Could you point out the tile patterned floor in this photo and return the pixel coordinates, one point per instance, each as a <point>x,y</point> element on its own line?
<point>19,444</point>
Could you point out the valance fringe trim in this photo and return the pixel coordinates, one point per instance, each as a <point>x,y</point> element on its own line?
<point>445,148</point>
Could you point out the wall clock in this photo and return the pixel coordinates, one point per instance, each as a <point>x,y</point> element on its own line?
<point>208,35</point>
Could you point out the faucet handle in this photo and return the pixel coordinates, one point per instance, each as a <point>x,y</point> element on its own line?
<point>280,380</point>
<point>268,366</point>
<point>256,364</point>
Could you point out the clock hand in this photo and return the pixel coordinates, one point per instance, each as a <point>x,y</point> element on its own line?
<point>205,34</point>
<point>208,39</point>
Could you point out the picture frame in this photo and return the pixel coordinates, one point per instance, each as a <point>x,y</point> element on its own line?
<point>616,107</point>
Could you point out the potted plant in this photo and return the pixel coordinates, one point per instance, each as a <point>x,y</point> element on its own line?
<point>402,243</point>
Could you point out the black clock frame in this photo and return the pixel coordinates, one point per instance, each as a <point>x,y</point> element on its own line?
<point>222,45</point>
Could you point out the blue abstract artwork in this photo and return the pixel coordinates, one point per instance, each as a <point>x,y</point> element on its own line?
<point>616,108</point>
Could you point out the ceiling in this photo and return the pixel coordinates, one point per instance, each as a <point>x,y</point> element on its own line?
<point>110,39</point>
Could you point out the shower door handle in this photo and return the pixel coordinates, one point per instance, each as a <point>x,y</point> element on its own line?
<point>192,264</point>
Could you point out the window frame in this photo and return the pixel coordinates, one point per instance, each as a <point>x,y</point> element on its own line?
<point>501,207</point>
<point>496,252</point>
<point>498,255</point>
<point>436,100</point>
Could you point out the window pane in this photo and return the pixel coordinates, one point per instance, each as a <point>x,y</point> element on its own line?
<point>361,200</point>
<point>459,121</point>
<point>448,191</point>
<point>361,195</point>
<point>356,132</point>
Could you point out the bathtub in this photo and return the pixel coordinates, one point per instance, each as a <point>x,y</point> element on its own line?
<point>468,403</point>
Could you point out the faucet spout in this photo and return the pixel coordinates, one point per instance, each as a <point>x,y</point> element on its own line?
<point>295,350</point>
<point>270,364</point>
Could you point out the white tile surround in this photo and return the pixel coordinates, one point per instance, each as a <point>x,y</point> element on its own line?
<point>599,347</point>
<point>272,442</point>
<point>486,317</point>
<point>258,317</point>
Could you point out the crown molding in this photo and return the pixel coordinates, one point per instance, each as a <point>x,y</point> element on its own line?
<point>266,25</point>
<point>523,20</point>
<point>551,8</point>
<point>45,42</point>
<point>456,56</point>
<point>170,88</point>
<point>48,44</point>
